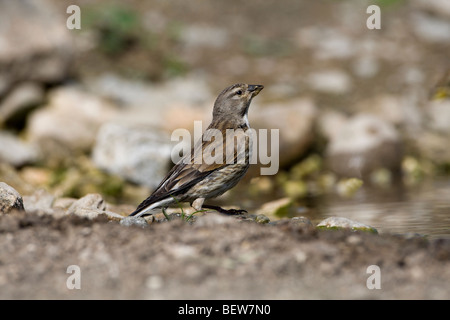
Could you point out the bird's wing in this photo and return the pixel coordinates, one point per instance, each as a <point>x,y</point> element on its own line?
<point>190,170</point>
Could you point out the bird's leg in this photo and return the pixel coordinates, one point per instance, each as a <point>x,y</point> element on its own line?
<point>198,203</point>
<point>225,211</point>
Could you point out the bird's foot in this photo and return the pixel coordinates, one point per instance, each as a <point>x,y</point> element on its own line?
<point>225,211</point>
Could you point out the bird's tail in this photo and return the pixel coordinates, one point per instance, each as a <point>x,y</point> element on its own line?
<point>145,207</point>
<point>143,210</point>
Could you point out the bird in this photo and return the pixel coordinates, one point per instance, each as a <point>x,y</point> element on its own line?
<point>194,181</point>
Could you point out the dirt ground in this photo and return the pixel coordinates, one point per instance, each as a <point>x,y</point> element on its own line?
<point>216,257</point>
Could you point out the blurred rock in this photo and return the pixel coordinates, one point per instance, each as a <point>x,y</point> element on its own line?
<point>364,144</point>
<point>34,43</point>
<point>10,199</point>
<point>301,222</point>
<point>295,121</point>
<point>430,28</point>
<point>16,152</point>
<point>344,223</point>
<point>135,152</point>
<point>438,113</point>
<point>328,43</point>
<point>433,146</point>
<point>330,123</point>
<point>90,201</point>
<point>365,67</point>
<point>387,107</point>
<point>214,219</point>
<point>174,104</point>
<point>433,140</point>
<point>63,203</point>
<point>438,7</point>
<point>348,187</point>
<point>330,81</point>
<point>191,90</point>
<point>20,100</point>
<point>69,122</point>
<point>134,221</point>
<point>92,206</point>
<point>40,201</point>
<point>276,208</point>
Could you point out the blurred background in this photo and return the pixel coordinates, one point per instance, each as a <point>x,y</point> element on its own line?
<point>364,115</point>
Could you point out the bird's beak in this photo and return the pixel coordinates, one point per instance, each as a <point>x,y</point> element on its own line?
<point>254,89</point>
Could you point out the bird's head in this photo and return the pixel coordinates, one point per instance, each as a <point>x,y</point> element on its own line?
<point>235,100</point>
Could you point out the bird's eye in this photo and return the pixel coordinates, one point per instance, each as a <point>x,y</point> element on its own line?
<point>239,92</point>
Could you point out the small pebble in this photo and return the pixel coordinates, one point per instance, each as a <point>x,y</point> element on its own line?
<point>134,221</point>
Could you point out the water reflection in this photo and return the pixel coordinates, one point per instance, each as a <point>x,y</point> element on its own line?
<point>424,210</point>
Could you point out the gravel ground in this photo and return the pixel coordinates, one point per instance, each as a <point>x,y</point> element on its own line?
<point>216,257</point>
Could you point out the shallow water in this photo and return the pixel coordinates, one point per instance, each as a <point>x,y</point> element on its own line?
<point>424,210</point>
<point>420,210</point>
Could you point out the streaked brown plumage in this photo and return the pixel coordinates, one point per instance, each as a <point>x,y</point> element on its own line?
<point>193,181</point>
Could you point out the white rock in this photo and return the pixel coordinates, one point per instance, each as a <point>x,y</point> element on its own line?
<point>330,122</point>
<point>299,115</point>
<point>71,119</point>
<point>364,144</point>
<point>39,201</point>
<point>438,112</point>
<point>431,29</point>
<point>15,151</point>
<point>134,221</point>
<point>438,7</point>
<point>35,43</point>
<point>330,81</point>
<point>190,90</point>
<point>344,223</point>
<point>138,153</point>
<point>92,206</point>
<point>21,98</point>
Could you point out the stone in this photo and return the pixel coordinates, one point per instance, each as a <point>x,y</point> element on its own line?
<point>10,199</point>
<point>261,219</point>
<point>134,221</point>
<point>298,114</point>
<point>90,206</point>
<point>20,100</point>
<point>330,81</point>
<point>330,122</point>
<point>433,146</point>
<point>40,201</point>
<point>301,222</point>
<point>63,202</point>
<point>214,219</point>
<point>276,208</point>
<point>15,151</point>
<point>190,90</point>
<point>344,223</point>
<point>430,28</point>
<point>348,187</point>
<point>138,153</point>
<point>35,44</point>
<point>70,121</point>
<point>437,7</point>
<point>170,105</point>
<point>366,143</point>
<point>438,115</point>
